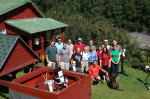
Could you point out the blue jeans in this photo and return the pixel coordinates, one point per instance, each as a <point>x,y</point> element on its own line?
<point>114,68</point>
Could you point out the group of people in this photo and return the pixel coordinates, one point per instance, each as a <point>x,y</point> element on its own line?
<point>87,59</point>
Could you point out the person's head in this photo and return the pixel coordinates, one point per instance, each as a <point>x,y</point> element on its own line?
<point>91,42</point>
<point>106,42</point>
<point>85,49</point>
<point>103,46</point>
<point>64,45</point>
<point>78,50</point>
<point>115,47</point>
<point>99,48</point>
<point>79,40</point>
<point>105,50</point>
<point>52,43</point>
<point>59,40</point>
<point>91,48</point>
<point>114,42</point>
<point>94,63</point>
<point>69,41</point>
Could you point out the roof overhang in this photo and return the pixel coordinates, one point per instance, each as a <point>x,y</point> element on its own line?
<point>36,25</point>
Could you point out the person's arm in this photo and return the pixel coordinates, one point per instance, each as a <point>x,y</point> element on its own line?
<point>69,55</point>
<point>47,60</point>
<point>74,48</point>
<point>46,53</point>
<point>100,60</point>
<point>96,58</point>
<point>105,72</point>
<point>72,58</point>
<point>100,63</point>
<point>118,58</point>
<point>110,59</point>
<point>81,61</point>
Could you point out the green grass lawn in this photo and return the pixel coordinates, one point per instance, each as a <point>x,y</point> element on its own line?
<point>132,88</point>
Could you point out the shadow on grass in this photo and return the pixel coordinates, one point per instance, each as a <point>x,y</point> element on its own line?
<point>4,90</point>
<point>146,84</point>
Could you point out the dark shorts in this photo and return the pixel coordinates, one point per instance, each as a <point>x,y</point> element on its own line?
<point>105,68</point>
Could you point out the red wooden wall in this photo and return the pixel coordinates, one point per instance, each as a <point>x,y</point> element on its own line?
<point>79,89</point>
<point>19,58</point>
<point>23,12</point>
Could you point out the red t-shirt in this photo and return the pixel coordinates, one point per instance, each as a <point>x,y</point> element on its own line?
<point>94,70</point>
<point>98,54</point>
<point>105,58</point>
<point>81,46</point>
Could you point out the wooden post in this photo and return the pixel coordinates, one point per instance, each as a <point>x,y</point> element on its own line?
<point>42,46</point>
<point>30,42</point>
<point>52,36</point>
<point>62,34</point>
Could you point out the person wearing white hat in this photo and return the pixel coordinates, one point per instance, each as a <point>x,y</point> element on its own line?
<point>106,43</point>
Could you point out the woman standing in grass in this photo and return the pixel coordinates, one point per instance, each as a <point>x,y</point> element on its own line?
<point>115,60</point>
<point>105,61</point>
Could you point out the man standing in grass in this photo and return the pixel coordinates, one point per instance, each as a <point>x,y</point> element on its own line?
<point>77,57</point>
<point>51,52</point>
<point>64,55</point>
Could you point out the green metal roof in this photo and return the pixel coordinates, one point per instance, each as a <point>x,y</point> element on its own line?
<point>35,25</point>
<point>8,5</point>
<point>7,43</point>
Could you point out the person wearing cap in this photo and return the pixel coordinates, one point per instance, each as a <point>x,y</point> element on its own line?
<point>91,43</point>
<point>107,44</point>
<point>79,45</point>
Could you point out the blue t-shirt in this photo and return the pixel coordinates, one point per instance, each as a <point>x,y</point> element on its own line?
<point>93,56</point>
<point>59,46</point>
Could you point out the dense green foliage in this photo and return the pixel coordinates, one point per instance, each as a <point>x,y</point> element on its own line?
<point>129,14</point>
<point>101,19</point>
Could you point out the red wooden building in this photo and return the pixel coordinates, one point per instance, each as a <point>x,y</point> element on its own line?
<point>15,54</point>
<point>17,9</point>
<point>31,26</point>
<point>33,29</point>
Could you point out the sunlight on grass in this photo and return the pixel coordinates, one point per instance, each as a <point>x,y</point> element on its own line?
<point>131,86</point>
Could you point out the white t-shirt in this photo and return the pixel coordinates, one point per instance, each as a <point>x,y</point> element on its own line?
<point>85,56</point>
